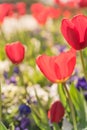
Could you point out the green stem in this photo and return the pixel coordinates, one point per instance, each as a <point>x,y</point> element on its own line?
<point>3,35</point>
<point>0,105</point>
<point>83,64</point>
<point>23,82</point>
<point>71,106</point>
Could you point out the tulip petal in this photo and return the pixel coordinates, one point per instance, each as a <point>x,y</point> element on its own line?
<point>56,112</point>
<point>46,65</point>
<point>70,33</point>
<point>65,64</point>
<point>80,22</point>
<point>71,64</point>
<point>85,39</point>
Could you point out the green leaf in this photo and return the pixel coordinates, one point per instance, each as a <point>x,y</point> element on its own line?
<point>2,127</point>
<point>39,123</point>
<point>80,106</point>
<point>11,126</point>
<point>55,126</point>
<point>41,110</point>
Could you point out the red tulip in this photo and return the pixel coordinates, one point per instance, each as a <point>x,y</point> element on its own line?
<point>37,8</point>
<point>53,12</point>
<point>66,14</point>
<point>69,3</point>
<point>41,17</point>
<point>10,10</point>
<point>5,10</point>
<point>56,112</point>
<point>40,13</point>
<point>21,8</point>
<point>75,31</point>
<point>57,68</point>
<point>83,3</point>
<point>56,1</point>
<point>15,52</point>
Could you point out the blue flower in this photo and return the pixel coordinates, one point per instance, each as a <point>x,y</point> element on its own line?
<point>81,84</point>
<point>24,109</point>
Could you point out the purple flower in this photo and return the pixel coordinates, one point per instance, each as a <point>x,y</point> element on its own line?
<point>61,48</point>
<point>17,128</point>
<point>24,109</point>
<point>7,81</point>
<point>16,70</point>
<point>25,122</point>
<point>5,74</point>
<point>82,83</point>
<point>13,80</point>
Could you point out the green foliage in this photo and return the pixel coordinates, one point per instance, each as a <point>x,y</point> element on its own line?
<point>2,127</point>
<point>80,106</point>
<point>40,115</point>
<point>62,95</point>
<point>55,126</point>
<point>11,127</point>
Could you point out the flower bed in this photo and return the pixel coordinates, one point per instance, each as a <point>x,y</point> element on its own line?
<point>43,79</point>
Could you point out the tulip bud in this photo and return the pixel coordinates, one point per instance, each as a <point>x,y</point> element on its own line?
<point>15,52</point>
<point>56,112</point>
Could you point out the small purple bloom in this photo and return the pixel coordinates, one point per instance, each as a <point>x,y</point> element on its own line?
<point>62,48</point>
<point>24,109</point>
<point>82,83</point>
<point>17,128</point>
<point>7,81</point>
<point>16,70</point>
<point>5,74</point>
<point>13,80</point>
<point>25,122</point>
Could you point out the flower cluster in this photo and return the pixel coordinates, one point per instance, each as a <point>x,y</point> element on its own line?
<point>72,3</point>
<point>11,10</point>
<point>42,13</point>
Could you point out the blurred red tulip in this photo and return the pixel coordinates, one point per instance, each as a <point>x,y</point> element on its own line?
<point>57,68</point>
<point>53,12</point>
<point>41,17</point>
<point>40,13</point>
<point>56,112</point>
<point>5,10</point>
<point>82,3</point>
<point>68,3</point>
<point>75,31</point>
<point>56,1</point>
<point>37,8</point>
<point>66,14</point>
<point>10,10</point>
<point>15,52</point>
<point>21,8</point>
